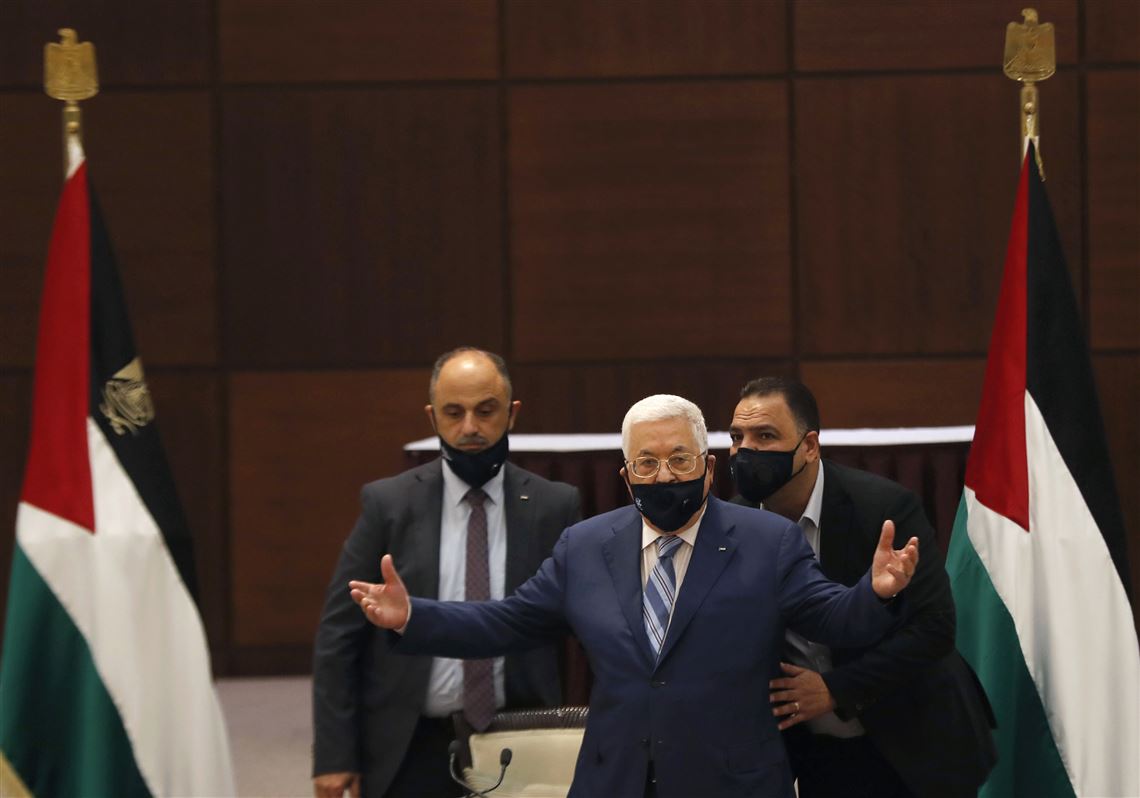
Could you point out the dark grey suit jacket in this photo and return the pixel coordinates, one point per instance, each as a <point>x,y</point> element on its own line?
<point>366,700</point>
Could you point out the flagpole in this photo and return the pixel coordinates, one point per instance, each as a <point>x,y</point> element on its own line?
<point>1030,57</point>
<point>70,75</point>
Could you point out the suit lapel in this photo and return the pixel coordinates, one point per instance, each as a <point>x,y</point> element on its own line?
<point>623,557</point>
<point>519,514</point>
<point>712,553</point>
<point>427,499</point>
<point>835,536</point>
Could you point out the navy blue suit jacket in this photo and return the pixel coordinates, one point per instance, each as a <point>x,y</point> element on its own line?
<point>700,711</point>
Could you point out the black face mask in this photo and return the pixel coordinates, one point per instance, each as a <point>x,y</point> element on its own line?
<point>669,505</point>
<point>476,468</point>
<point>758,474</point>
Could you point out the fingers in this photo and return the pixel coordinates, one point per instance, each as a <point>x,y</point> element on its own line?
<point>354,787</point>
<point>388,571</point>
<point>790,669</point>
<point>887,537</point>
<point>785,709</point>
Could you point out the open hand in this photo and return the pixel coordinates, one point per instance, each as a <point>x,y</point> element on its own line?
<point>801,697</point>
<point>892,570</point>
<point>385,605</point>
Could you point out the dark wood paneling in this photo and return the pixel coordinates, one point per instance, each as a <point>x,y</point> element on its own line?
<point>1112,30</point>
<point>1118,384</point>
<point>189,415</point>
<point>361,227</point>
<point>905,194</point>
<point>595,397</point>
<point>639,211</point>
<point>896,393</point>
<point>917,34</point>
<point>31,172</point>
<point>575,38</point>
<point>150,162</point>
<point>296,41</point>
<point>15,412</point>
<point>156,42</point>
<point>1114,207</point>
<point>301,445</point>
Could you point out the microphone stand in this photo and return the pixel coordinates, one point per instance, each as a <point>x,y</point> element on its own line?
<point>504,761</point>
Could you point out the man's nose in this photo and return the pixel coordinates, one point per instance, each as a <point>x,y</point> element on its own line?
<point>664,474</point>
<point>470,424</point>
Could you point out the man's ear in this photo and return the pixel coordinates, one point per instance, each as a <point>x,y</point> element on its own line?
<point>514,409</point>
<point>431,418</point>
<point>625,479</point>
<point>811,446</point>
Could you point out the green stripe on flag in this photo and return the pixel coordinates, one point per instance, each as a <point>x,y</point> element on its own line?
<point>1028,760</point>
<point>50,690</point>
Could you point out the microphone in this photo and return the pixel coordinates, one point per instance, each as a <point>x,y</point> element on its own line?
<point>504,761</point>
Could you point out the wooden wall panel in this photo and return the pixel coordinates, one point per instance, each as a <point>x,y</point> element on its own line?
<point>917,34</point>
<point>635,204</point>
<point>1112,30</point>
<point>151,162</point>
<point>162,230</point>
<point>591,38</point>
<point>905,192</point>
<point>896,393</point>
<point>595,397</point>
<point>299,41</point>
<point>189,413</point>
<point>301,446</point>
<point>15,411</point>
<point>1114,207</point>
<point>160,42</point>
<point>361,227</point>
<point>31,172</point>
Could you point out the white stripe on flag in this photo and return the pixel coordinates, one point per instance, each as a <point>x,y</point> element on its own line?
<point>123,592</point>
<point>1073,619</point>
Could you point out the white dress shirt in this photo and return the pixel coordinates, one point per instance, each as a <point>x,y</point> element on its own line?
<point>804,652</point>
<point>681,556</point>
<point>445,685</point>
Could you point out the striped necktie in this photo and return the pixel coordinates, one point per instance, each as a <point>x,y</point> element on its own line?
<point>660,592</point>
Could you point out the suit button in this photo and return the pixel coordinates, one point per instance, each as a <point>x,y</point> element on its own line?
<point>657,683</point>
<point>645,742</point>
<point>661,742</point>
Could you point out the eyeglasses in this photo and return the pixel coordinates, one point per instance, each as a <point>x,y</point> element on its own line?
<point>680,464</point>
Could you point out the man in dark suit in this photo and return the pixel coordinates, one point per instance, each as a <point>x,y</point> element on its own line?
<point>467,526</point>
<point>681,602</point>
<point>906,716</point>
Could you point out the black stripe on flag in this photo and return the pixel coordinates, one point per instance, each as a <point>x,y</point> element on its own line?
<point>140,450</point>
<point>1060,377</point>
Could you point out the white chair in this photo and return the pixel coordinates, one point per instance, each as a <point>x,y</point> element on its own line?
<point>544,746</point>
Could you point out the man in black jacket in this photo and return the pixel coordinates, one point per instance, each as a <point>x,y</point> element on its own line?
<point>382,722</point>
<point>906,717</point>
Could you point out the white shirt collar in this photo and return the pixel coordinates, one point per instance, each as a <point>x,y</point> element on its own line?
<point>814,507</point>
<point>650,535</point>
<point>455,489</point>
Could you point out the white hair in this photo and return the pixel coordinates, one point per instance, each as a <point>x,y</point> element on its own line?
<point>660,407</point>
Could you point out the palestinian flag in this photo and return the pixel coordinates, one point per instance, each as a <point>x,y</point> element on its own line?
<point>1037,559</point>
<point>105,684</point>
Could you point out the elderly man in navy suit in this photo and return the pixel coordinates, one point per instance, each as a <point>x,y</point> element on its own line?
<point>681,602</point>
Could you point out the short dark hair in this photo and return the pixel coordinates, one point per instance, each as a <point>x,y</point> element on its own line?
<point>442,360</point>
<point>800,400</point>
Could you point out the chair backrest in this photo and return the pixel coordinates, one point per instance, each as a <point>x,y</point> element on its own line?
<point>544,745</point>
